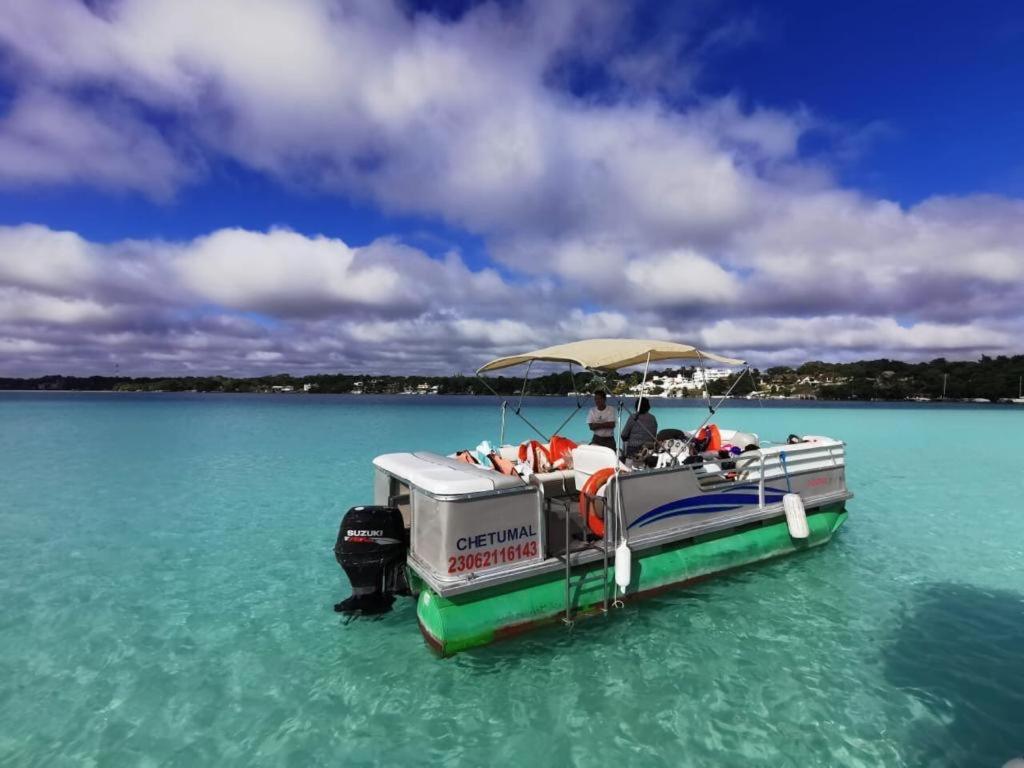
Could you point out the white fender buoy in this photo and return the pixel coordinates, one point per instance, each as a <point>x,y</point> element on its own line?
<point>796,516</point>
<point>623,565</point>
<point>1017,762</point>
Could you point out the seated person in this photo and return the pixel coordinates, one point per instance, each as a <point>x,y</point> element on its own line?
<point>641,427</point>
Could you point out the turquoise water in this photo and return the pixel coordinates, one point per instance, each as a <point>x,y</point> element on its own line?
<point>167,580</point>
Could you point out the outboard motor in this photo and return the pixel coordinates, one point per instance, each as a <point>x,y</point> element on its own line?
<point>371,548</point>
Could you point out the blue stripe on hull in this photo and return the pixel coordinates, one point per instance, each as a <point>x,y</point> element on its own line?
<point>724,501</point>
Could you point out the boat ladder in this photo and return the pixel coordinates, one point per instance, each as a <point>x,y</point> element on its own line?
<point>567,558</point>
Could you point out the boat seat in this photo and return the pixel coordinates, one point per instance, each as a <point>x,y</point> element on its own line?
<point>558,483</point>
<point>509,452</point>
<point>737,438</point>
<point>443,475</point>
<point>671,433</point>
<point>587,459</point>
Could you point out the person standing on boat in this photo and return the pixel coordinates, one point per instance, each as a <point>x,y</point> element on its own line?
<point>641,428</point>
<point>601,421</point>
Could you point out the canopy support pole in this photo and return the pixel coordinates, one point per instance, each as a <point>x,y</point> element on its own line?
<point>618,427</point>
<point>643,386</point>
<point>567,420</point>
<point>522,392</point>
<point>572,377</point>
<point>578,404</point>
<point>517,410</point>
<point>532,426</point>
<point>704,381</point>
<point>643,382</point>
<point>618,530</point>
<point>746,369</point>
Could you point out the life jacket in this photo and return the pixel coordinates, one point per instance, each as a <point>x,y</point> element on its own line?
<point>560,451</point>
<point>588,503</point>
<point>467,457</point>
<point>709,438</point>
<point>536,455</point>
<point>503,465</point>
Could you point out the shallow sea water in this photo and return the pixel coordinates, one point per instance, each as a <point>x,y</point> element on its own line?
<point>166,578</point>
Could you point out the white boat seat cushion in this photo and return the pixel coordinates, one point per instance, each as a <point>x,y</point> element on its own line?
<point>587,459</point>
<point>558,483</point>
<point>509,452</point>
<point>735,437</point>
<point>442,475</point>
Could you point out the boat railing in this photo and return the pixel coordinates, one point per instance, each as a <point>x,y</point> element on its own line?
<point>786,460</point>
<point>767,465</point>
<point>760,484</point>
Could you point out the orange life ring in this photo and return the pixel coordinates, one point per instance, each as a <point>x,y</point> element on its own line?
<point>590,489</point>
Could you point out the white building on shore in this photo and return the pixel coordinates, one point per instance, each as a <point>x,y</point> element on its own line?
<point>681,385</point>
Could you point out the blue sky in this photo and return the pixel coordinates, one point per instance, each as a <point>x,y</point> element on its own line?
<point>940,82</point>
<point>325,185</point>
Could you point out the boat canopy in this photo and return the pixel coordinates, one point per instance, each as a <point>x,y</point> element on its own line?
<point>610,354</point>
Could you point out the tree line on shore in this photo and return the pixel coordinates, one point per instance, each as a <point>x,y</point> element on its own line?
<point>991,378</point>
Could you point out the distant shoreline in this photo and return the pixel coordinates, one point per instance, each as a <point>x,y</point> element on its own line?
<point>986,380</point>
<point>806,402</point>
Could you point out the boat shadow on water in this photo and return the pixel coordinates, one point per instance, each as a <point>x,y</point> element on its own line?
<point>960,650</point>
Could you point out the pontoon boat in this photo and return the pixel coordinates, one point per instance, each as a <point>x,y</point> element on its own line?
<point>495,541</point>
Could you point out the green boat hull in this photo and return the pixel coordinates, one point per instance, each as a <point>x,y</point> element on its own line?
<point>453,624</point>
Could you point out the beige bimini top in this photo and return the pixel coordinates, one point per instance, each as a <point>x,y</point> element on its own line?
<point>610,354</point>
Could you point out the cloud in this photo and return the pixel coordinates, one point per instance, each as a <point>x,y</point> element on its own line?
<point>286,274</point>
<point>282,272</point>
<point>242,301</point>
<point>453,119</point>
<point>680,277</point>
<point>852,337</point>
<point>48,138</point>
<point>943,259</point>
<point>278,272</point>
<point>20,307</point>
<point>36,257</point>
<point>641,208</point>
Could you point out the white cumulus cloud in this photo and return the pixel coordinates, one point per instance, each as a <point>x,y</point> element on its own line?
<point>624,213</point>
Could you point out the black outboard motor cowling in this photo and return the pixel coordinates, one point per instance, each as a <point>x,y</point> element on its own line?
<point>371,548</point>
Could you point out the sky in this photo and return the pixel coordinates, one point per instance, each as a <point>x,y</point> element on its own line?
<point>245,187</point>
